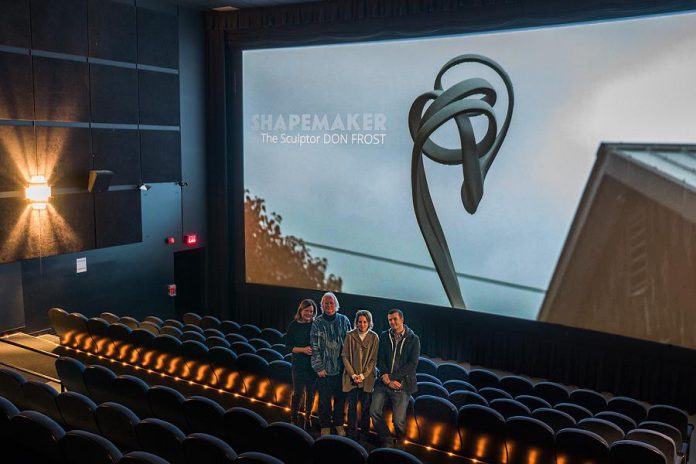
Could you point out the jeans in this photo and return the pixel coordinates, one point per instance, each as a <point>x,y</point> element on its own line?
<point>331,388</point>
<point>399,401</point>
<point>354,396</point>
<point>304,381</point>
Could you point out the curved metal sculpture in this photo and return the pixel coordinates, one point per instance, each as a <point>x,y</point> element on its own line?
<point>461,103</point>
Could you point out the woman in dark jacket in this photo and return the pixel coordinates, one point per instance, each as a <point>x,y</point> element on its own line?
<point>303,376</point>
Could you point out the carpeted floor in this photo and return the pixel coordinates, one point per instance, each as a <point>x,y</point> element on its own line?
<point>19,356</point>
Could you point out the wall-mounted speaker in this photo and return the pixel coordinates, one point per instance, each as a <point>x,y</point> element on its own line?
<point>99,181</point>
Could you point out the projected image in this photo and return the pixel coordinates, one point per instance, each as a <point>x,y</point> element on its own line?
<point>329,156</point>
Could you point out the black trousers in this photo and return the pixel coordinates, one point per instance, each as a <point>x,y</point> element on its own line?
<point>332,401</point>
<point>304,381</point>
<point>355,396</point>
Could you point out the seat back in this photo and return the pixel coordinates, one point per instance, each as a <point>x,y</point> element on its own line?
<point>289,443</point>
<point>191,319</point>
<point>429,388</point>
<point>81,447</point>
<point>171,330</point>
<point>492,393</point>
<point>332,449</point>
<point>451,371</point>
<point>99,381</point>
<point>161,438</point>
<point>173,323</point>
<point>576,446</point>
<point>666,429</point>
<point>552,392</point>
<point>529,440</point>
<point>151,327</point>
<point>510,408</point>
<point>670,415</point>
<point>608,431</point>
<point>269,354</point>
<point>280,375</point>
<point>204,415</point>
<point>246,430</point>
<point>77,411</point>
<point>228,327</point>
<point>39,396</point>
<point>141,457</point>
<point>249,331</point>
<point>109,317</point>
<point>201,447</point>
<point>533,402</point>
<point>11,386</point>
<point>117,423</point>
<point>129,322</point>
<point>575,410</point>
<point>420,377</point>
<point>241,348</point>
<point>554,418</point>
<point>254,373</point>
<point>209,322</point>
<point>58,318</point>
<point>259,343</point>
<point>589,399</point>
<point>482,433</point>
<point>454,385</point>
<point>167,404</point>
<point>659,440</point>
<point>624,422</point>
<point>192,335</point>
<point>634,452</point>
<point>436,419</point>
<point>224,364</point>
<point>426,366</point>
<point>154,319</point>
<point>628,407</point>
<point>36,437</point>
<point>461,398</point>
<point>272,336</point>
<point>516,385</point>
<point>482,378</point>
<point>131,392</point>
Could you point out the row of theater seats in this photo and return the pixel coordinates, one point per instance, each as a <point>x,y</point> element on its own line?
<point>457,384</point>
<point>154,428</point>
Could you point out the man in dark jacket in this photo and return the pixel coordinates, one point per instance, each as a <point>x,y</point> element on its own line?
<point>397,359</point>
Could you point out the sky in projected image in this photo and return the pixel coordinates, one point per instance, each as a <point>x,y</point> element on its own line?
<point>575,87</point>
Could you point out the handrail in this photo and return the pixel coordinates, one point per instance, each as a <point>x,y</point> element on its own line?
<point>35,350</point>
<point>30,372</point>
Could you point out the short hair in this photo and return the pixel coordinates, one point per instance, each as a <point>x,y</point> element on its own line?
<point>368,316</point>
<point>307,302</point>
<point>331,294</point>
<point>398,311</point>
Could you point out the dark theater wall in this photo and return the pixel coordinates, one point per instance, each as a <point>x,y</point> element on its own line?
<point>98,84</point>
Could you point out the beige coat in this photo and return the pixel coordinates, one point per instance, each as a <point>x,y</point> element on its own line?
<point>360,357</point>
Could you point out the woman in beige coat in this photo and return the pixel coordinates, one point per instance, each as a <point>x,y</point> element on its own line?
<point>359,359</point>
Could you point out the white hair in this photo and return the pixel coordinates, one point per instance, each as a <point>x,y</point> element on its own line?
<point>331,294</point>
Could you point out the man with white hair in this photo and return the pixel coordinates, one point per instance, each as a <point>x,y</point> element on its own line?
<point>328,332</point>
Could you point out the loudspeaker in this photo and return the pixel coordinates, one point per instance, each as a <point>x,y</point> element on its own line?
<point>99,181</point>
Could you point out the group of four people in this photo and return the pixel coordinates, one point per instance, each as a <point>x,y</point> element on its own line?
<point>356,364</point>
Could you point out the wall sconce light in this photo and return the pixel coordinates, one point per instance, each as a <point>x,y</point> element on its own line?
<point>145,187</point>
<point>38,192</point>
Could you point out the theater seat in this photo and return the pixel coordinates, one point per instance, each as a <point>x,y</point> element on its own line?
<point>192,328</point>
<point>660,441</point>
<point>533,402</point>
<point>289,443</point>
<point>529,441</point>
<point>554,418</point>
<point>516,385</point>
<point>672,416</point>
<point>151,327</point>
<point>635,452</point>
<point>280,348</point>
<point>11,386</point>
<point>451,371</point>
<point>143,338</point>
<point>436,419</point>
<point>154,319</point>
<point>461,398</point>
<point>332,449</point>
<point>58,319</point>
<point>229,327</point>
<point>41,397</point>
<point>80,447</point>
<point>432,389</point>
<point>249,331</point>
<point>129,322</point>
<point>209,322</point>
<point>213,333</point>
<point>624,422</point>
<point>98,330</point>
<point>224,364</point>
<point>167,404</point>
<point>173,323</point>
<point>510,408</point>
<point>109,317</point>
<point>141,457</point>
<point>454,385</point>
<point>259,343</point>
<point>576,446</point>
<point>191,319</point>
<point>628,407</point>
<point>204,448</point>
<point>161,438</point>
<point>666,429</point>
<point>254,372</point>
<point>254,457</point>
<point>280,375</point>
<point>552,392</point>
<point>246,430</point>
<point>204,415</point>
<point>482,433</point>
<point>117,423</point>
<point>391,456</point>
<point>130,391</point>
<point>589,399</point>
<point>608,431</point>
<point>7,411</point>
<point>272,336</point>
<point>482,378</point>
<point>35,437</point>
<point>420,377</point>
<point>77,411</point>
<point>241,348</point>
<point>171,330</point>
<point>492,393</point>
<point>575,410</point>
<point>192,335</point>
<point>269,354</point>
<point>426,366</point>
<point>235,337</point>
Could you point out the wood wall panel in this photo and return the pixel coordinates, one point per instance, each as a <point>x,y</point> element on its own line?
<point>16,94</point>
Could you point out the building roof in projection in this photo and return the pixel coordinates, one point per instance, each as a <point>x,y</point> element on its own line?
<point>664,174</point>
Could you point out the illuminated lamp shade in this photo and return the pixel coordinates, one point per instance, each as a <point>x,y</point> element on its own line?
<point>38,192</point>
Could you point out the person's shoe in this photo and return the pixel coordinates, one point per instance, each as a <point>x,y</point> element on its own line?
<point>325,431</point>
<point>340,431</point>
